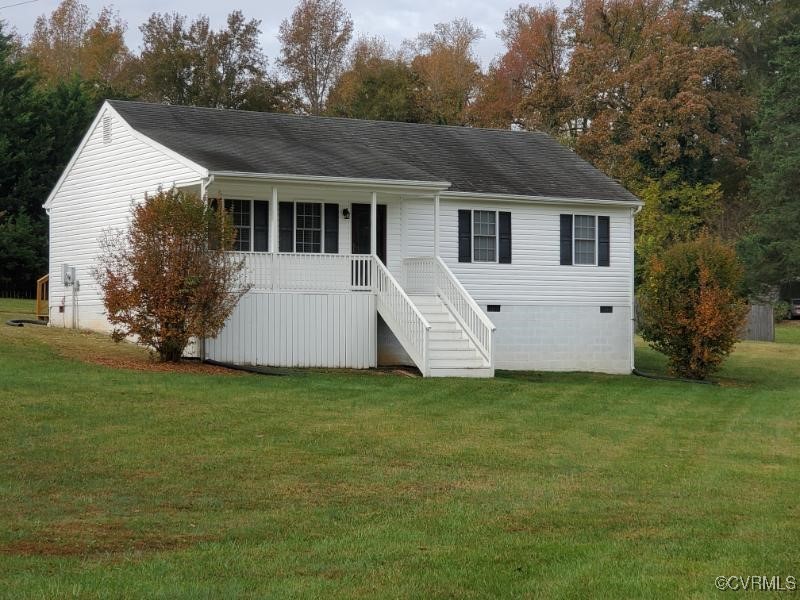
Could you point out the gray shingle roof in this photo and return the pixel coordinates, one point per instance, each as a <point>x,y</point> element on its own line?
<point>472,160</point>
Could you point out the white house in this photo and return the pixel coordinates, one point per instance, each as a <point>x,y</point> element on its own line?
<point>458,250</point>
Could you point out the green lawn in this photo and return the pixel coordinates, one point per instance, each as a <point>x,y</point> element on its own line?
<point>117,483</point>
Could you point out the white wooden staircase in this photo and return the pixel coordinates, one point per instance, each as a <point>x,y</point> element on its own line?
<point>435,319</point>
<point>451,353</point>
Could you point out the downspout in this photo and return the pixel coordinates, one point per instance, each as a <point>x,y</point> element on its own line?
<point>205,183</point>
<point>634,212</point>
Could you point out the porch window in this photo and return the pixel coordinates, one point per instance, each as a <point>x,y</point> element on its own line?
<point>484,237</point>
<point>585,239</point>
<point>240,211</point>
<point>308,228</point>
<point>251,221</point>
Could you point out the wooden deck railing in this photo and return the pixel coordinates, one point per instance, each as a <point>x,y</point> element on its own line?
<point>308,271</point>
<point>43,298</point>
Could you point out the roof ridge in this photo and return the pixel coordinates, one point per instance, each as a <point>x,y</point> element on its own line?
<point>329,117</point>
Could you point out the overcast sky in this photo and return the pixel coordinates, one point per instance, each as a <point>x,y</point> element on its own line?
<point>395,20</point>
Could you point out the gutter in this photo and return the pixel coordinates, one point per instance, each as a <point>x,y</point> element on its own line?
<point>350,182</point>
<point>538,199</point>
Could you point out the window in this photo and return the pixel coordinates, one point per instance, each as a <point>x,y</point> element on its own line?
<point>585,239</point>
<point>484,235</point>
<point>308,229</point>
<point>240,211</point>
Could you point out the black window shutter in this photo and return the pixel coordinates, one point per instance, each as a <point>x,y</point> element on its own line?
<point>213,235</point>
<point>464,236</point>
<point>332,228</point>
<point>504,243</point>
<point>603,242</point>
<point>566,239</point>
<point>260,225</point>
<point>285,227</point>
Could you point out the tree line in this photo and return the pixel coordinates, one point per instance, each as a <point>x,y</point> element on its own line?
<point>691,104</point>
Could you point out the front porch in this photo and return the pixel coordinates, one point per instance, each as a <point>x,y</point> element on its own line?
<point>325,261</point>
<point>320,310</point>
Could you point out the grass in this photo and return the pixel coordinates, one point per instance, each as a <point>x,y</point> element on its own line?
<point>117,483</point>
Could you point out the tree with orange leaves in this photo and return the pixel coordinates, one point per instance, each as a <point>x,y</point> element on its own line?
<point>691,305</point>
<point>162,281</point>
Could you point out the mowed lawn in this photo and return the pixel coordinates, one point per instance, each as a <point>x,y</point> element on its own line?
<point>117,483</point>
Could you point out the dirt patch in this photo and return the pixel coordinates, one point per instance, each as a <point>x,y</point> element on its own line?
<point>192,367</point>
<point>82,538</point>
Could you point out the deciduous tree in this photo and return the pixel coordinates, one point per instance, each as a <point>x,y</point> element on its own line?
<point>69,44</point>
<point>527,85</point>
<point>447,69</point>
<point>691,305</point>
<point>162,282</point>
<point>314,45</point>
<point>651,98</point>
<point>189,63</point>
<point>377,84</point>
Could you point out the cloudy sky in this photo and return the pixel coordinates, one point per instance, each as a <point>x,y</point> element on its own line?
<point>395,20</point>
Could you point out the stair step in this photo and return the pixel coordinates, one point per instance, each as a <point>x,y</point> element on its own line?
<point>471,372</point>
<point>452,363</point>
<point>444,335</point>
<point>439,318</point>
<point>455,344</point>
<point>455,354</point>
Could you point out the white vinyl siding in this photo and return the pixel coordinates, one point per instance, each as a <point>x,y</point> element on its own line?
<point>95,197</point>
<point>536,276</point>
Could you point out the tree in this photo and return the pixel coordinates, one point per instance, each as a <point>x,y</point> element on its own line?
<point>650,99</point>
<point>447,70</point>
<point>673,212</point>
<point>162,282</point>
<point>691,306</point>
<point>376,85</point>
<point>68,45</point>
<point>21,249</point>
<point>527,87</point>
<point>39,130</point>
<point>314,45</point>
<point>191,64</point>
<point>772,249</point>
<point>751,29</point>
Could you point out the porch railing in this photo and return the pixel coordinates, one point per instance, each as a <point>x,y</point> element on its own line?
<point>308,272</point>
<point>430,274</point>
<point>402,316</point>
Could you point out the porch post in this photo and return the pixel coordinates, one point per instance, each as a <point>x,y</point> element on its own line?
<point>273,220</point>
<point>373,225</point>
<point>436,225</point>
<point>273,237</point>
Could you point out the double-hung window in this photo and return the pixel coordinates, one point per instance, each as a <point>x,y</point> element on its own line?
<point>250,219</point>
<point>308,227</point>
<point>240,211</point>
<point>484,235</point>
<point>585,239</point>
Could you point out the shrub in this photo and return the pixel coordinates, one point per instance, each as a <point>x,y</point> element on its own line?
<point>691,305</point>
<point>162,282</point>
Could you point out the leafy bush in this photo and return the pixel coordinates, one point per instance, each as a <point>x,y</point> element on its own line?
<point>162,281</point>
<point>692,308</point>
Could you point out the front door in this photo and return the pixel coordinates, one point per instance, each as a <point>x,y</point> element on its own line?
<point>360,229</point>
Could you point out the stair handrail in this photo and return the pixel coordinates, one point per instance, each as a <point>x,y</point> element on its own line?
<point>476,324</point>
<point>402,316</point>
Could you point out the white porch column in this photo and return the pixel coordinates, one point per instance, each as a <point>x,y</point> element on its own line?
<point>436,225</point>
<point>373,225</point>
<point>273,220</point>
